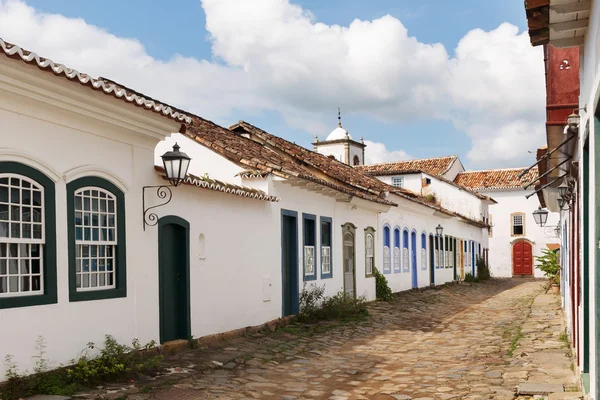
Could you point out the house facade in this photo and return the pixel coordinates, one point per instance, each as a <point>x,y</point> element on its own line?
<point>568,32</point>
<point>93,241</point>
<point>514,238</point>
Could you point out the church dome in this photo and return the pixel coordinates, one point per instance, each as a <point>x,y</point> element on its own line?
<point>338,133</point>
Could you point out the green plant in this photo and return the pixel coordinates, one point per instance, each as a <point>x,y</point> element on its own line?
<point>113,361</point>
<point>310,300</point>
<point>431,198</point>
<point>342,306</point>
<point>515,342</point>
<point>382,289</point>
<point>549,265</point>
<point>483,270</point>
<point>470,278</point>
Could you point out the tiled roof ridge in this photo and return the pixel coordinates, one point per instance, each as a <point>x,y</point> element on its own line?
<point>266,138</point>
<point>417,198</point>
<point>230,188</point>
<point>494,169</point>
<point>454,157</point>
<point>108,87</point>
<point>496,179</point>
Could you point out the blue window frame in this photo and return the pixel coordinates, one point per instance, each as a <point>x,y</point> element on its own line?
<point>387,260</point>
<point>405,253</point>
<point>423,251</point>
<point>397,257</point>
<point>326,246</point>
<point>309,244</point>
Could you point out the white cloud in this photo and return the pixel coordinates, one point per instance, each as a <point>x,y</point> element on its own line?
<point>378,153</point>
<point>276,57</point>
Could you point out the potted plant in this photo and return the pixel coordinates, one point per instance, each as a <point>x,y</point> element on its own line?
<point>549,265</point>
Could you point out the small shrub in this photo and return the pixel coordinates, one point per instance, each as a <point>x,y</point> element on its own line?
<point>382,289</point>
<point>549,265</point>
<point>431,198</point>
<point>342,306</point>
<point>470,278</point>
<point>310,300</point>
<point>483,270</point>
<point>114,361</point>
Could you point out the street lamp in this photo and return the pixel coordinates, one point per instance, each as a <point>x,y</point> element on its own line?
<point>176,164</point>
<point>561,203</point>
<point>439,230</point>
<point>540,216</point>
<point>557,230</point>
<point>563,189</point>
<point>573,120</point>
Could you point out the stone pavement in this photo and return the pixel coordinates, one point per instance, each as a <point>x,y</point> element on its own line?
<point>457,342</point>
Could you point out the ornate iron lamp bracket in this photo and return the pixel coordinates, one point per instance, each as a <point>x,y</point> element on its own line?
<point>163,192</point>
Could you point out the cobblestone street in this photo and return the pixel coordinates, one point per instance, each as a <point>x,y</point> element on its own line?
<point>457,342</point>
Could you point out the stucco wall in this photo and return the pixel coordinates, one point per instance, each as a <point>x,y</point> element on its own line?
<point>589,94</point>
<point>455,199</point>
<point>412,182</point>
<point>220,299</point>
<point>509,202</point>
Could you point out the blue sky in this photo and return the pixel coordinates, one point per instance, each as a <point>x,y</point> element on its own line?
<point>178,27</point>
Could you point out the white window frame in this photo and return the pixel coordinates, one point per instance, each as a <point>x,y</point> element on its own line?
<point>513,224</point>
<point>387,267</point>
<point>398,181</point>
<point>369,254</point>
<point>20,241</point>
<point>90,243</point>
<point>325,259</point>
<point>309,260</point>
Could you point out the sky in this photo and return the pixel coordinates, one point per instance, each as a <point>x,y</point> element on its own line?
<point>414,78</point>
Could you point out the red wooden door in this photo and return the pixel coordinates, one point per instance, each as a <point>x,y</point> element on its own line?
<point>522,258</point>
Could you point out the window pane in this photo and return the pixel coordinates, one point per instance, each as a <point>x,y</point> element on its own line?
<point>4,194</point>
<point>4,212</point>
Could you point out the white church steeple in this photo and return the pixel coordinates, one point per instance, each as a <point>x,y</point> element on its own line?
<point>340,145</point>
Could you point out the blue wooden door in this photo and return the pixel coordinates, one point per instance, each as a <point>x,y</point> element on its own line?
<point>413,249</point>
<point>289,261</point>
<point>473,258</point>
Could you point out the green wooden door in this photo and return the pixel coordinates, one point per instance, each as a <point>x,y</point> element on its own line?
<point>174,273</point>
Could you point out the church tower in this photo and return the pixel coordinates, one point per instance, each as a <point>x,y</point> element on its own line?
<point>340,145</point>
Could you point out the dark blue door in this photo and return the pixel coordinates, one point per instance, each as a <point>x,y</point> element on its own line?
<point>289,262</point>
<point>473,257</point>
<point>413,249</point>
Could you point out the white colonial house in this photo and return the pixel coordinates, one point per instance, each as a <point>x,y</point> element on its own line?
<point>95,241</point>
<point>515,238</point>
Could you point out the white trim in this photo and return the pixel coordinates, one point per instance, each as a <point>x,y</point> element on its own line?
<point>17,155</point>
<point>95,170</point>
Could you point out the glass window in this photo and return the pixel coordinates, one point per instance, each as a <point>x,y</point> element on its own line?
<point>397,266</point>
<point>398,181</point>
<point>369,253</point>
<point>22,238</point>
<point>518,224</point>
<point>325,247</point>
<point>405,255</point>
<point>309,245</point>
<point>386,250</point>
<point>95,239</point>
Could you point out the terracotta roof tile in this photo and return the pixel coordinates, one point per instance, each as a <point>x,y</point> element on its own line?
<point>491,179</point>
<point>99,84</point>
<point>434,166</point>
<point>213,184</point>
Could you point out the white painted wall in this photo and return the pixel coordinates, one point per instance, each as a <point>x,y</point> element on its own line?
<point>421,219</point>
<point>356,151</point>
<point>454,170</point>
<point>337,149</point>
<point>304,201</point>
<point>456,199</point>
<point>589,93</point>
<point>412,182</point>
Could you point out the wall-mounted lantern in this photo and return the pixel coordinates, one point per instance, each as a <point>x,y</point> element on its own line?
<point>439,230</point>
<point>540,216</point>
<point>176,165</point>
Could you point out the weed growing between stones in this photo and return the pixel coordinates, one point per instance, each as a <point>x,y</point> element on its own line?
<point>113,362</point>
<point>515,342</point>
